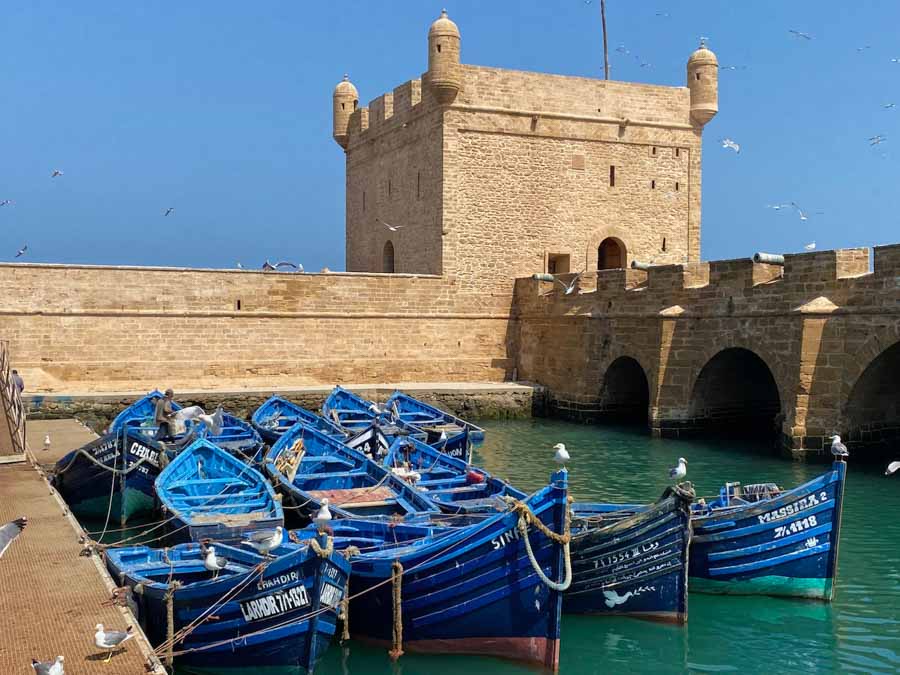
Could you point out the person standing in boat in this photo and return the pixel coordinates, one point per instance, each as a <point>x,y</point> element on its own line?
<point>163,415</point>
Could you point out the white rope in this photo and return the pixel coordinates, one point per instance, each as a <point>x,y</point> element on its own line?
<point>523,530</point>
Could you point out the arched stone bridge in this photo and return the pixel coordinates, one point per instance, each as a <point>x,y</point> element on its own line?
<point>798,352</point>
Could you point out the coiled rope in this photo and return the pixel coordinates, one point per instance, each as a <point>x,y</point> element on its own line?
<point>526,518</point>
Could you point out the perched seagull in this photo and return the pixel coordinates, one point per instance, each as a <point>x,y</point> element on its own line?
<point>169,210</point>
<point>10,531</point>
<point>803,216</point>
<point>838,449</point>
<point>265,540</point>
<point>569,288</point>
<point>56,173</point>
<point>50,667</point>
<point>21,251</point>
<point>562,455</point>
<point>214,563</point>
<point>47,442</point>
<point>875,140</point>
<point>323,517</point>
<point>728,143</point>
<point>800,34</point>
<point>679,471</point>
<point>811,246</point>
<point>893,467</point>
<point>110,641</point>
<point>392,228</point>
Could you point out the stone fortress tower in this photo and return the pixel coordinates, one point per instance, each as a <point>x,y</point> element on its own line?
<point>490,174</point>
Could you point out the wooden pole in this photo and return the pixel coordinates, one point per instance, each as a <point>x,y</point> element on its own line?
<point>170,625</point>
<point>605,46</point>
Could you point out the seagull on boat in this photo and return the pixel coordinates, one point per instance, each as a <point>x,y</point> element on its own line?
<point>265,540</point>
<point>21,251</point>
<point>680,471</point>
<point>110,641</point>
<point>392,228</point>
<point>893,467</point>
<point>838,449</point>
<point>56,173</point>
<point>169,211</point>
<point>214,563</point>
<point>562,455</point>
<point>800,34</point>
<point>10,531</point>
<point>728,143</point>
<point>323,517</point>
<point>49,667</point>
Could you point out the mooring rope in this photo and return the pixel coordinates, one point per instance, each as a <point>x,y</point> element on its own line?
<point>397,581</point>
<point>526,518</point>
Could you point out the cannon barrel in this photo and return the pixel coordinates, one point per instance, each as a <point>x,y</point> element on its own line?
<point>768,258</point>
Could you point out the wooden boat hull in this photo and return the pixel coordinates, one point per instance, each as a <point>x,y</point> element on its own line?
<point>459,436</point>
<point>632,562</point>
<point>277,415</point>
<point>472,592</point>
<point>784,546</point>
<point>271,622</point>
<point>117,468</point>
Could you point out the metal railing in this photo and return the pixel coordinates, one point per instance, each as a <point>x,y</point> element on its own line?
<point>13,410</point>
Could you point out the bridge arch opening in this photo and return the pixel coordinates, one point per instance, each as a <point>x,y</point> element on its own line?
<point>736,395</point>
<point>872,410</point>
<point>625,393</point>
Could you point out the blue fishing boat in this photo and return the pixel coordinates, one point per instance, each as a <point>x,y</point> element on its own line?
<point>112,477</point>
<point>308,467</point>
<point>451,483</point>
<point>278,414</point>
<point>209,494</point>
<point>759,539</point>
<point>481,589</point>
<point>350,412</point>
<point>457,436</point>
<point>251,613</point>
<point>228,432</point>
<point>632,560</point>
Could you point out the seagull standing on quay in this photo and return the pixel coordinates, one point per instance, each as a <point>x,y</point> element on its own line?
<point>893,467</point>
<point>838,449</point>
<point>111,640</point>
<point>680,471</point>
<point>49,668</point>
<point>10,531</point>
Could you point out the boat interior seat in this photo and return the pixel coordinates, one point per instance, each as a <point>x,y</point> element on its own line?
<point>477,487</point>
<point>335,474</point>
<point>254,505</point>
<point>327,460</point>
<point>439,482</point>
<point>225,482</point>
<point>225,495</point>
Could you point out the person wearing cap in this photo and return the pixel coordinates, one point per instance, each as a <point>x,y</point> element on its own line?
<point>164,413</point>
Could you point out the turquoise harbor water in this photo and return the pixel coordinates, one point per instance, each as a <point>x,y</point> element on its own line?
<point>859,632</point>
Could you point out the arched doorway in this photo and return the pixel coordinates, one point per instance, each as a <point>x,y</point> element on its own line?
<point>610,254</point>
<point>736,395</point>
<point>387,258</point>
<point>625,394</point>
<point>872,411</point>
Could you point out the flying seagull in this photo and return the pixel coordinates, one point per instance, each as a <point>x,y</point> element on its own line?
<point>568,288</point>
<point>56,173</point>
<point>265,540</point>
<point>777,207</point>
<point>7,202</point>
<point>10,531</point>
<point>679,471</point>
<point>169,210</point>
<point>214,563</point>
<point>732,68</point>
<point>838,449</point>
<point>562,455</point>
<point>800,34</point>
<point>111,640</point>
<point>893,467</point>
<point>392,228</point>
<point>886,106</point>
<point>811,246</point>
<point>803,216</point>
<point>49,667</point>
<point>21,251</point>
<point>862,49</point>
<point>728,143</point>
<point>875,140</point>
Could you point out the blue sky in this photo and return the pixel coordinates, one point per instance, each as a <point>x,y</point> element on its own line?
<point>223,111</point>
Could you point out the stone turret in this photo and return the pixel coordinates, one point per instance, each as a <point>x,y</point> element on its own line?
<point>703,81</point>
<point>346,101</point>
<point>444,73</point>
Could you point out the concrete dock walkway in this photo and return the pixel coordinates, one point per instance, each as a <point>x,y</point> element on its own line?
<point>50,596</point>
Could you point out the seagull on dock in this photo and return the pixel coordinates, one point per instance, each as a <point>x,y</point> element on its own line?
<point>10,531</point>
<point>392,228</point>
<point>265,540</point>
<point>111,640</point>
<point>323,517</point>
<point>49,667</point>
<point>838,449</point>
<point>47,442</point>
<point>892,468</point>
<point>728,143</point>
<point>562,455</point>
<point>680,471</point>
<point>214,563</point>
